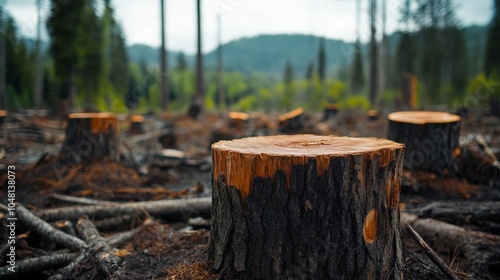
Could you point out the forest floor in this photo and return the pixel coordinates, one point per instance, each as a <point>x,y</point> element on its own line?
<point>166,249</point>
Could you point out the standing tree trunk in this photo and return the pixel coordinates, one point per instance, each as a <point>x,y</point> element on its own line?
<point>431,139</point>
<point>307,207</point>
<point>90,136</point>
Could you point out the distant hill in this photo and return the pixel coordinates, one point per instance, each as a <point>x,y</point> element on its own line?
<point>269,53</point>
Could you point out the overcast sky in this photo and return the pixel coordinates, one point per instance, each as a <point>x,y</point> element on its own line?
<point>242,18</point>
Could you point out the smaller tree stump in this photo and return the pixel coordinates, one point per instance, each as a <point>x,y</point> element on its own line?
<point>238,119</point>
<point>292,121</point>
<point>430,138</point>
<point>372,115</point>
<point>90,136</point>
<point>3,113</point>
<point>306,207</point>
<point>136,124</point>
<point>331,110</point>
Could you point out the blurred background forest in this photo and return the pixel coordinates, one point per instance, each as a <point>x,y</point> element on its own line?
<point>87,64</point>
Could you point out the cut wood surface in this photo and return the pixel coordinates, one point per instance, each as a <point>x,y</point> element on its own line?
<point>90,136</point>
<point>307,207</point>
<point>430,138</point>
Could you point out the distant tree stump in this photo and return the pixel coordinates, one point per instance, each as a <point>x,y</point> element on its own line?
<point>431,139</point>
<point>292,121</point>
<point>90,136</point>
<point>331,110</point>
<point>495,107</point>
<point>3,113</point>
<point>307,207</point>
<point>372,115</point>
<point>238,119</point>
<point>136,124</point>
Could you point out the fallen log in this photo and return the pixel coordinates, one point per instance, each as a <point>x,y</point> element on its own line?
<point>459,213</point>
<point>166,209</point>
<point>481,250</point>
<point>43,228</point>
<point>36,265</point>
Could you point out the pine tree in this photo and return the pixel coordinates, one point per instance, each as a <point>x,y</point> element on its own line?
<point>76,36</point>
<point>289,82</point>
<point>322,60</point>
<point>492,53</point>
<point>357,76</point>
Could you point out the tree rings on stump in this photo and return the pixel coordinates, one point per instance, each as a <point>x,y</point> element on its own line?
<point>307,207</point>
<point>90,136</point>
<point>430,138</point>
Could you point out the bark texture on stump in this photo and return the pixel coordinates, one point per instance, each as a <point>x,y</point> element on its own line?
<point>307,207</point>
<point>90,136</point>
<point>292,121</point>
<point>430,138</point>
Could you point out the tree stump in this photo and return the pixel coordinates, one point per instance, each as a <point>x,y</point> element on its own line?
<point>136,124</point>
<point>372,115</point>
<point>430,138</point>
<point>238,119</point>
<point>3,113</point>
<point>292,121</point>
<point>90,136</point>
<point>331,110</point>
<point>307,207</point>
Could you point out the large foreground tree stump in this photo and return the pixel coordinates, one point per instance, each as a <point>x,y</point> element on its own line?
<point>90,136</point>
<point>307,207</point>
<point>430,138</point>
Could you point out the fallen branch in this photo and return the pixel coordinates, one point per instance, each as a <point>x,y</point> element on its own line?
<point>46,230</point>
<point>80,200</point>
<point>113,223</point>
<point>35,265</point>
<point>166,209</point>
<point>459,212</point>
<point>119,238</point>
<point>98,252</point>
<point>431,254</point>
<point>480,249</point>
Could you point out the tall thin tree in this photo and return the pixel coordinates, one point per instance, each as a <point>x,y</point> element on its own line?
<point>383,53</point>
<point>38,72</point>
<point>197,101</point>
<point>373,51</point>
<point>3,33</point>
<point>164,66</point>
<point>199,54</point>
<point>492,53</point>
<point>220,81</point>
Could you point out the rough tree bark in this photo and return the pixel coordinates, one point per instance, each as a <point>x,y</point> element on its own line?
<point>430,138</point>
<point>307,207</point>
<point>90,136</point>
<point>291,121</point>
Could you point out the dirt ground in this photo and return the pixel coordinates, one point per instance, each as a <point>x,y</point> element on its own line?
<point>178,250</point>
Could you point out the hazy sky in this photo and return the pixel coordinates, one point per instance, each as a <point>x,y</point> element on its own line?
<point>242,18</point>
